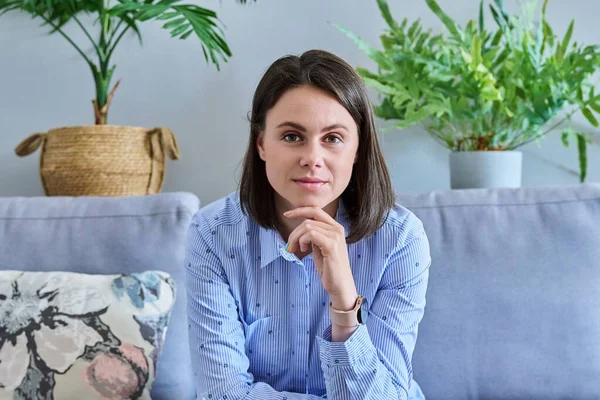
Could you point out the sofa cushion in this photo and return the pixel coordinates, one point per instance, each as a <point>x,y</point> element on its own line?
<point>71,335</point>
<point>513,299</point>
<point>109,235</point>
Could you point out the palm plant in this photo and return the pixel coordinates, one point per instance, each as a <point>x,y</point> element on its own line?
<point>112,21</point>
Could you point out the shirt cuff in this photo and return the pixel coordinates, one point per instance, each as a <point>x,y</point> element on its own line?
<point>356,347</point>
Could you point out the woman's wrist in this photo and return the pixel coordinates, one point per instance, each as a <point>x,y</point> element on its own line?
<point>341,333</point>
<point>344,302</point>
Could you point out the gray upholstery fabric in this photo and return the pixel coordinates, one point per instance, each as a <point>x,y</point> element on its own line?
<point>513,304</point>
<point>107,235</point>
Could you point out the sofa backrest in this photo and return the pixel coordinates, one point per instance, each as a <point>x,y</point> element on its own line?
<point>513,297</point>
<point>108,235</point>
<point>513,303</point>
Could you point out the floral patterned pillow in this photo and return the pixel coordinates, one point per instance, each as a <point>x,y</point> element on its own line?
<point>66,335</point>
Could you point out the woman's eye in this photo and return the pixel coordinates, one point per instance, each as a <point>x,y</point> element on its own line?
<point>333,139</point>
<point>291,137</point>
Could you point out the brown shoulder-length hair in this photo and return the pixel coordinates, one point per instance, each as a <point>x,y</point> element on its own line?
<point>369,195</point>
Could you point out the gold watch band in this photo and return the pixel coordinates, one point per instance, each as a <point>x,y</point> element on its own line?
<point>346,319</point>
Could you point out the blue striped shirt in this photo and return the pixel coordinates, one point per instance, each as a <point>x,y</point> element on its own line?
<point>259,324</point>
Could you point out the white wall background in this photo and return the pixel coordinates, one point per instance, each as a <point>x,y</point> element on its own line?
<point>44,84</point>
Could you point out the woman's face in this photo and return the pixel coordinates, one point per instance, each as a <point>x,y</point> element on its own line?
<point>309,146</point>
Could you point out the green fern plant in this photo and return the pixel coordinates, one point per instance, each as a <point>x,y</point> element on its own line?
<point>479,88</point>
<point>115,19</point>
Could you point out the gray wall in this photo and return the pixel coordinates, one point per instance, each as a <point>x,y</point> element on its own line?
<point>44,84</point>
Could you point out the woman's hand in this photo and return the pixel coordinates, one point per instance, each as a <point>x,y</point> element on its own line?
<point>326,237</point>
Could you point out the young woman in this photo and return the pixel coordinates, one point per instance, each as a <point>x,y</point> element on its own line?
<point>309,282</point>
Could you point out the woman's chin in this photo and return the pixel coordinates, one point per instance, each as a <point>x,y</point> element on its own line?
<point>312,201</point>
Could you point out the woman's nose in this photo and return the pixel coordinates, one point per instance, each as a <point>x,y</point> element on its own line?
<point>312,156</point>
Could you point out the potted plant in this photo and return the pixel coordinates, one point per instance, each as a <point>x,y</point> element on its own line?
<point>484,92</point>
<point>104,159</point>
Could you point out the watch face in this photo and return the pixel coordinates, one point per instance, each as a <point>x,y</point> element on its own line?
<point>363,312</point>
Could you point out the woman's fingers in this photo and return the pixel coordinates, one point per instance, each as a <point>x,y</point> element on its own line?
<point>304,229</point>
<point>316,237</point>
<point>315,213</point>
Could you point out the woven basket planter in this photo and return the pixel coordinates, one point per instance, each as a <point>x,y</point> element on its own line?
<point>102,160</point>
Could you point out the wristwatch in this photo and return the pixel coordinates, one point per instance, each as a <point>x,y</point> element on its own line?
<point>356,316</point>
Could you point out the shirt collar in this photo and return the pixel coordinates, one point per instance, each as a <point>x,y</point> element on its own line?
<point>272,245</point>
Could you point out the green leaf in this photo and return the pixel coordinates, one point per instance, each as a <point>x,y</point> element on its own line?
<point>175,23</point>
<point>179,30</point>
<point>386,14</point>
<point>131,24</point>
<point>590,117</point>
<point>447,21</point>
<point>562,49</point>
<point>380,87</point>
<point>497,38</point>
<point>549,34</point>
<point>476,50</point>
<point>167,15</point>
<point>595,106</point>
<point>565,138</point>
<point>582,151</point>
<point>544,27</point>
<point>481,17</point>
<point>375,55</point>
<point>496,17</point>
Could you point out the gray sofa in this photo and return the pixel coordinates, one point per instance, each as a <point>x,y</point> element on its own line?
<point>513,305</point>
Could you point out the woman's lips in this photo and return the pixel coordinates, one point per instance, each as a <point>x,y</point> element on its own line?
<point>310,185</point>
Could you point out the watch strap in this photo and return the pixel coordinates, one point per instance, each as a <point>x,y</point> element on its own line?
<point>346,318</point>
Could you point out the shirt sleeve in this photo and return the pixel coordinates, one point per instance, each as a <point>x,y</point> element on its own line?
<point>376,361</point>
<point>216,336</point>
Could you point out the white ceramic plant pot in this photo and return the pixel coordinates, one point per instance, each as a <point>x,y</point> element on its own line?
<point>485,169</point>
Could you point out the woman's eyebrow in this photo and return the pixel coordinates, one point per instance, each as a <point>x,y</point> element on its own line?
<point>303,129</point>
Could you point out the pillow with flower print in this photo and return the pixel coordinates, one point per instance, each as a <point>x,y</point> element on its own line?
<point>66,335</point>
